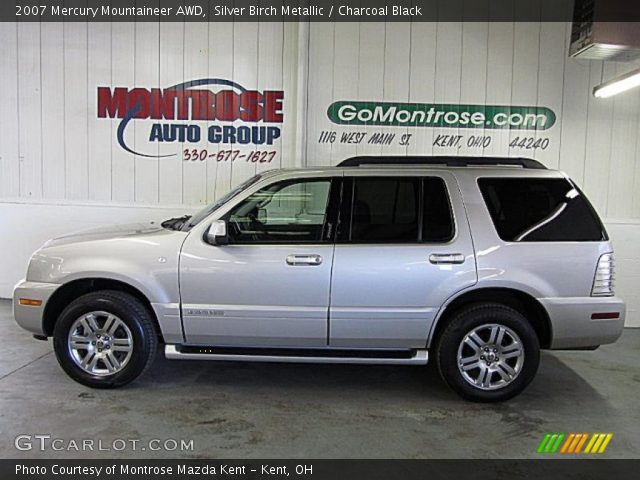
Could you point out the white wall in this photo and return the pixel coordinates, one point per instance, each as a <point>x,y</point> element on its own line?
<point>53,146</point>
<point>59,163</point>
<point>626,238</point>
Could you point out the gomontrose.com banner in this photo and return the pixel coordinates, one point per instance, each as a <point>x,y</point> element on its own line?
<point>441,115</point>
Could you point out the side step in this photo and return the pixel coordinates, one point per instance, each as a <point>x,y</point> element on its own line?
<point>298,355</point>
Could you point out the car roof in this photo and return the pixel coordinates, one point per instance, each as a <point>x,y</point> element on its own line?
<point>413,170</point>
<point>442,160</point>
<point>421,165</point>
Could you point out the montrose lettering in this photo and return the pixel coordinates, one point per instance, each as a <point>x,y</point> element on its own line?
<point>194,104</point>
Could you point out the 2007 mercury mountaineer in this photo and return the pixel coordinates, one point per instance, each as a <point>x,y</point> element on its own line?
<point>479,262</point>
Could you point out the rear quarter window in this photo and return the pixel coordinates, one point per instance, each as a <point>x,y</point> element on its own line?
<point>540,210</point>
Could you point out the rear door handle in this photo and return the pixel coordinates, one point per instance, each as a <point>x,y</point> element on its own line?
<point>304,260</point>
<point>446,258</point>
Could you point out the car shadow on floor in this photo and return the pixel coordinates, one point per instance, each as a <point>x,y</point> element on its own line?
<point>556,382</point>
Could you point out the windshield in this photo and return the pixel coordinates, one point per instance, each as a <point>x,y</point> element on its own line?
<point>209,209</point>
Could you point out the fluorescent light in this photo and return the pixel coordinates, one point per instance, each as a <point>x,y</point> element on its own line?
<point>618,85</point>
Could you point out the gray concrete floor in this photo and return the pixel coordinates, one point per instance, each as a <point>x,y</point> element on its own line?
<point>244,410</point>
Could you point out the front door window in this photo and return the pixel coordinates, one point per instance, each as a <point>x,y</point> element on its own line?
<point>291,211</point>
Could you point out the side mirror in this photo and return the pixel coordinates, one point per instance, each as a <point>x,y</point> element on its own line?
<point>217,233</point>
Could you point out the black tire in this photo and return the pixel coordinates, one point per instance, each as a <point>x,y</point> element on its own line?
<point>132,313</point>
<point>464,322</point>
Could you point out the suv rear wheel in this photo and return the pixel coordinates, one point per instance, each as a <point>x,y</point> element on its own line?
<point>105,339</point>
<point>488,353</point>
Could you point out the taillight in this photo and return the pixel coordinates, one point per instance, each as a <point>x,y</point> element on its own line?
<point>603,280</point>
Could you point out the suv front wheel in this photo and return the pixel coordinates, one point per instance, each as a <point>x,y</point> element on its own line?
<point>105,339</point>
<point>488,353</point>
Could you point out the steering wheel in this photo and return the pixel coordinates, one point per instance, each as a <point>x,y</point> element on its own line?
<point>257,227</point>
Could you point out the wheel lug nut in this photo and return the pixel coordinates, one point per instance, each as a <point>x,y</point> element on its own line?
<point>108,347</point>
<point>93,343</point>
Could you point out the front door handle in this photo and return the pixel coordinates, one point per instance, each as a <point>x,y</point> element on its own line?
<point>446,258</point>
<point>304,260</point>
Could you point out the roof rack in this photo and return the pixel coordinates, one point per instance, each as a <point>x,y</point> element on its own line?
<point>443,160</point>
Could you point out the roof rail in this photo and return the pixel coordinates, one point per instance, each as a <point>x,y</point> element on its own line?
<point>442,160</point>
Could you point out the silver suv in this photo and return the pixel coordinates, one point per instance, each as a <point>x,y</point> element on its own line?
<point>478,262</point>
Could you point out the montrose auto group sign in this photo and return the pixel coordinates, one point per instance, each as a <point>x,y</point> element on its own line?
<point>233,114</point>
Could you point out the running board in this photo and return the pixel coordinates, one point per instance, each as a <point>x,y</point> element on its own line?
<point>326,355</point>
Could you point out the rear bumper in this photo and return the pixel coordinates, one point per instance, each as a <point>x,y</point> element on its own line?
<point>30,317</point>
<point>572,325</point>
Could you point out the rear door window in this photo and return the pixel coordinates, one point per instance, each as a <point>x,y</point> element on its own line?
<point>540,210</point>
<point>437,220</point>
<point>385,210</point>
<point>397,210</point>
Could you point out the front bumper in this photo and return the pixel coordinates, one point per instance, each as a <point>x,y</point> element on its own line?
<point>27,316</point>
<point>572,325</point>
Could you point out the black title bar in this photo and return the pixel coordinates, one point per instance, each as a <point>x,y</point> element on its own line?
<point>315,10</point>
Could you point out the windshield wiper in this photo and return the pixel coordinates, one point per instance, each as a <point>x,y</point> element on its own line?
<point>175,223</point>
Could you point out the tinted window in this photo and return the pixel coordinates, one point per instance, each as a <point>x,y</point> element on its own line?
<point>291,211</point>
<point>437,224</point>
<point>540,210</point>
<point>399,210</point>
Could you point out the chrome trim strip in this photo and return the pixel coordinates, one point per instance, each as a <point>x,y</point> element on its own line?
<point>420,358</point>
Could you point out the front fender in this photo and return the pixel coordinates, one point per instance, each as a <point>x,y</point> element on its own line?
<point>148,265</point>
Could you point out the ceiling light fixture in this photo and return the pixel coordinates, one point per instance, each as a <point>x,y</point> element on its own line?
<point>618,85</point>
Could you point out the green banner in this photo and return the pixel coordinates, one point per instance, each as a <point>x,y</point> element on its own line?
<point>392,114</point>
